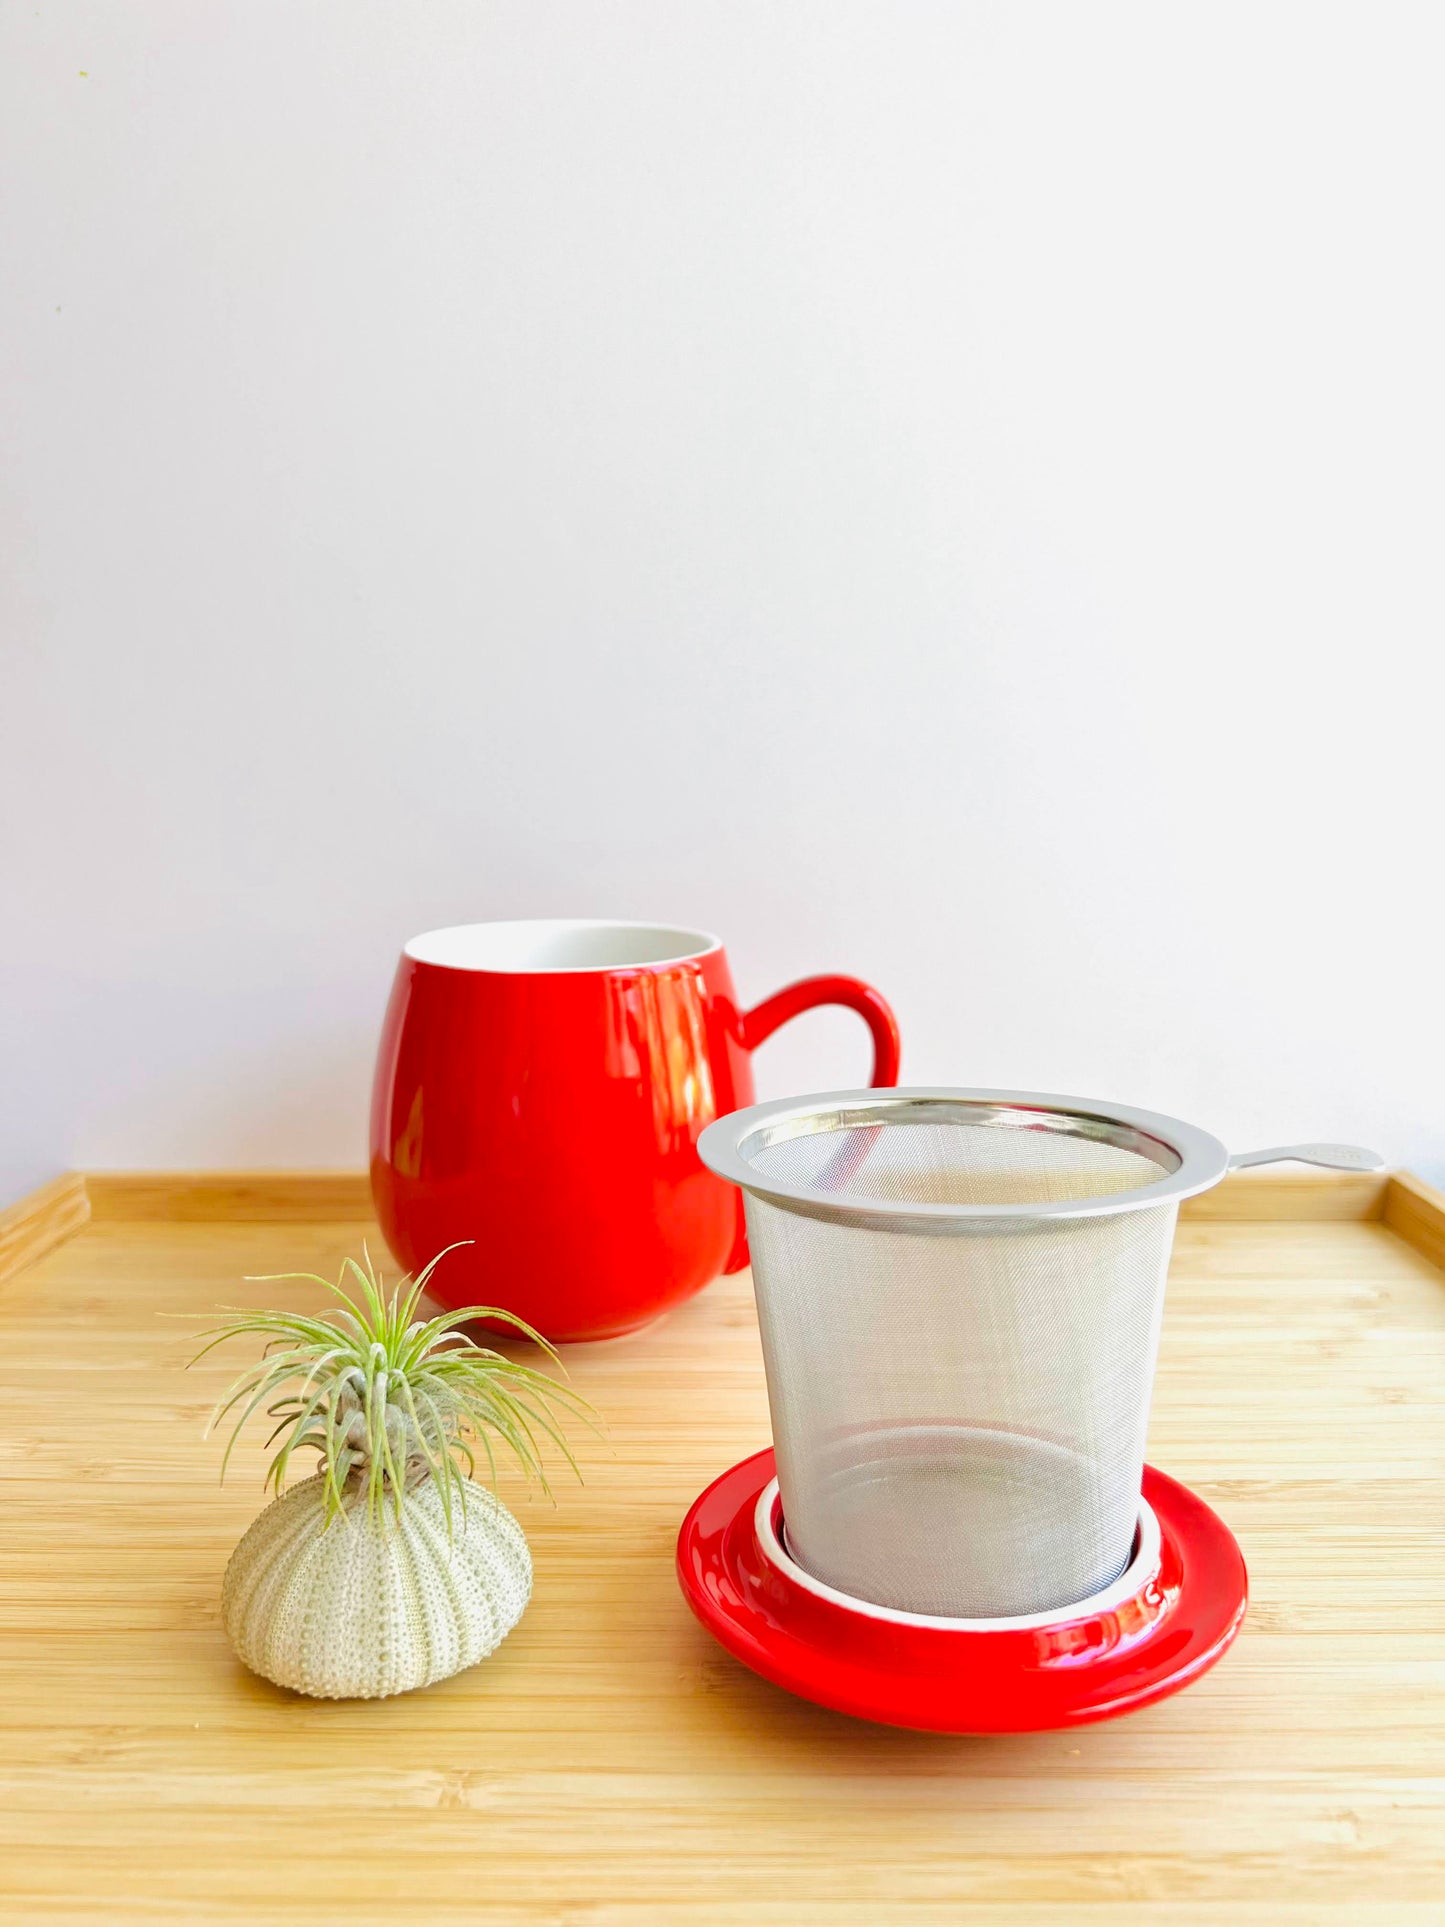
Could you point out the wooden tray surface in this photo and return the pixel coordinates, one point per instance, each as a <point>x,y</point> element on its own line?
<point>610,1765</point>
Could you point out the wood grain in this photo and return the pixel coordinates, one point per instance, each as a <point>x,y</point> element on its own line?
<point>41,1221</point>
<point>1291,1195</point>
<point>229,1197</point>
<point>1417,1212</point>
<point>241,1197</point>
<point>610,1766</point>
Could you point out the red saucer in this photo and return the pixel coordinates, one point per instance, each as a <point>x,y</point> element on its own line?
<point>958,1676</point>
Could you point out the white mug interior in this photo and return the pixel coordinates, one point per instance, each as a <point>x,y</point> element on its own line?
<point>559,944</point>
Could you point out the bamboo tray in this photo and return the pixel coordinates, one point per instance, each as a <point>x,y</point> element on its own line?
<point>610,1765</point>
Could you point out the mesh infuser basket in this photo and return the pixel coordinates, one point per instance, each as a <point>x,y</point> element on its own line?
<point>960,1295</point>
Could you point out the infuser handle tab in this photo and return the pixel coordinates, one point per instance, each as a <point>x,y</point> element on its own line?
<point>1335,1157</point>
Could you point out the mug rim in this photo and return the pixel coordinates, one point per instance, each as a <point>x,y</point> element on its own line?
<point>689,945</point>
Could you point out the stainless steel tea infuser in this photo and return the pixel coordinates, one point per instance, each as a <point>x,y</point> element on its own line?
<point>960,1294</point>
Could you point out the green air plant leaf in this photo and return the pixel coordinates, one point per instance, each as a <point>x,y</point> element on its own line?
<point>388,1400</point>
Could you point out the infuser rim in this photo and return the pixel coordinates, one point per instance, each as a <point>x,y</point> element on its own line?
<point>1190,1160</point>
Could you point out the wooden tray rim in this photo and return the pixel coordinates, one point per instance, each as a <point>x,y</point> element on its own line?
<point>58,1210</point>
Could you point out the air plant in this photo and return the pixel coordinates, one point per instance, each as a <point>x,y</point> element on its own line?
<point>389,1568</point>
<point>387,1400</point>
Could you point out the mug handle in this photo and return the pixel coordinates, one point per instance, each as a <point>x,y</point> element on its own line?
<point>759,1023</point>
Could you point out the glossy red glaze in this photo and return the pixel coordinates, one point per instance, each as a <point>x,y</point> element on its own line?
<point>941,1679</point>
<point>552,1117</point>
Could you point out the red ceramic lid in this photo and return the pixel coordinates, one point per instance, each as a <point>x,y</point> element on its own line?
<point>1136,1644</point>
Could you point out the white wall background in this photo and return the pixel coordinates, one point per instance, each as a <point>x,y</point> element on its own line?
<point>948,492</point>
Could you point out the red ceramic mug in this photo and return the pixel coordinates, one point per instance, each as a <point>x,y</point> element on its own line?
<point>540,1090</point>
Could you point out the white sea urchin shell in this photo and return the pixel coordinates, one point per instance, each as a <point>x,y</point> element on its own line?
<point>364,1607</point>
